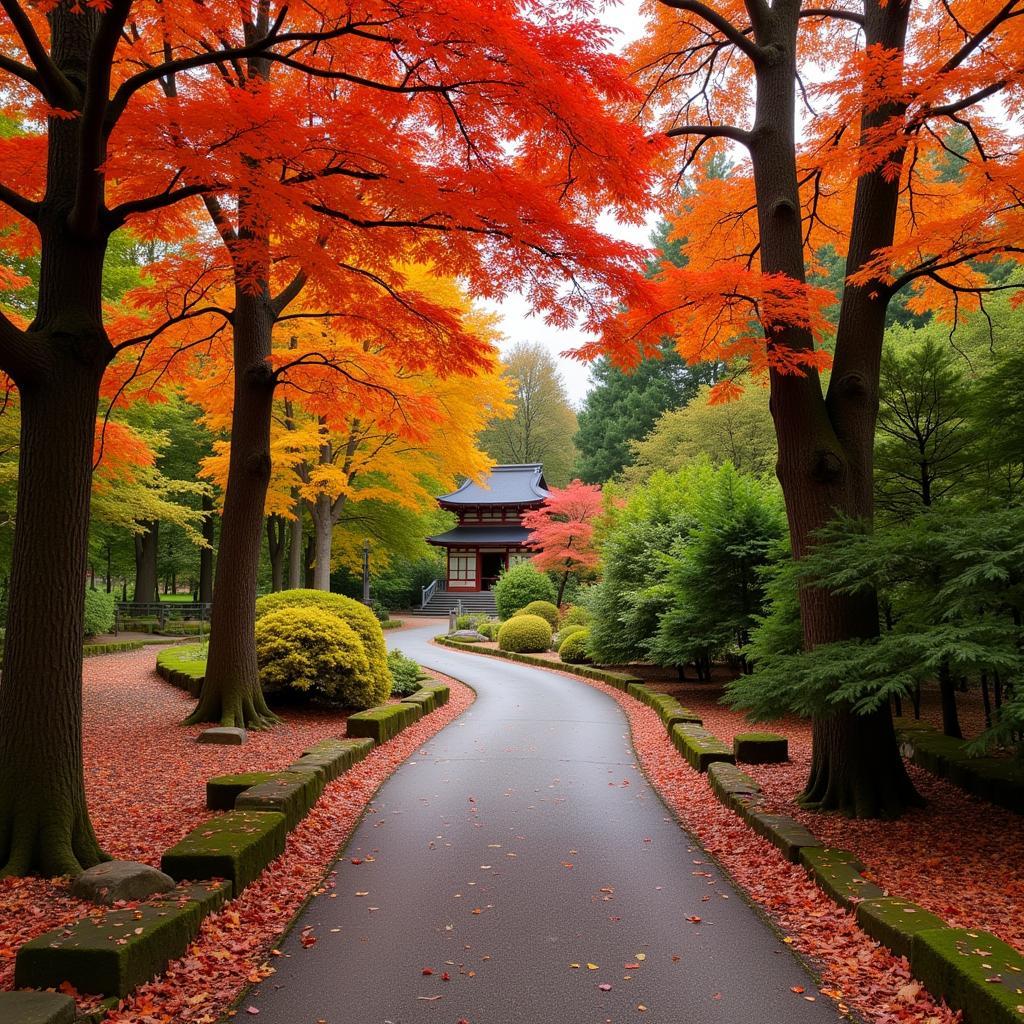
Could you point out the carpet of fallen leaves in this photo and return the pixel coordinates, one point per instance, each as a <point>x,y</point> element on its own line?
<point>146,779</point>
<point>958,856</point>
<point>855,971</point>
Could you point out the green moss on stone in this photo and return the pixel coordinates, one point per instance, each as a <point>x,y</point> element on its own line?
<point>840,874</point>
<point>894,922</point>
<point>441,693</point>
<point>760,748</point>
<point>289,793</point>
<point>424,698</point>
<point>113,953</point>
<point>36,1008</point>
<point>222,791</point>
<point>382,723</point>
<point>729,784</point>
<point>783,832</point>
<point>236,846</point>
<point>973,971</point>
<point>700,748</point>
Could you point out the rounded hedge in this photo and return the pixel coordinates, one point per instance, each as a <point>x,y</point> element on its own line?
<point>574,648</point>
<point>358,617</point>
<point>565,631</point>
<point>574,615</point>
<point>545,609</point>
<point>99,612</point>
<point>520,585</point>
<point>525,634</point>
<point>313,651</point>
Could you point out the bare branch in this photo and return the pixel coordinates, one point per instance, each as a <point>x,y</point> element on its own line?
<point>736,36</point>
<point>54,86</point>
<point>27,208</point>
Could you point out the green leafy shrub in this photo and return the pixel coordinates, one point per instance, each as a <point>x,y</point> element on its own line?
<point>489,629</point>
<point>358,617</point>
<point>99,612</point>
<point>405,672</point>
<point>313,651</point>
<point>470,620</point>
<point>520,585</point>
<point>574,615</point>
<point>525,634</point>
<point>563,634</point>
<point>574,648</point>
<point>545,609</point>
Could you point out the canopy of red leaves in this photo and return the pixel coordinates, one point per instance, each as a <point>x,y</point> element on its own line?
<point>563,528</point>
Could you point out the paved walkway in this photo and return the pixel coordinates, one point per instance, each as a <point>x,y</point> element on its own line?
<point>520,841</point>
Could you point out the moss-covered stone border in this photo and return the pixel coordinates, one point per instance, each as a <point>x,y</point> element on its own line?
<point>93,650</point>
<point>973,971</point>
<point>996,780</point>
<point>175,667</point>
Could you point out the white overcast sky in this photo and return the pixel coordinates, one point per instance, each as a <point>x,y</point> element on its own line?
<point>517,322</point>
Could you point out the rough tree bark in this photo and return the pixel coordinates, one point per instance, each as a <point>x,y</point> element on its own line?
<point>57,364</point>
<point>231,693</point>
<point>295,548</point>
<point>147,546</point>
<point>825,444</point>
<point>323,530</point>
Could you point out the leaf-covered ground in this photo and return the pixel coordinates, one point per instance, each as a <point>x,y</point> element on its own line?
<point>959,857</point>
<point>146,779</point>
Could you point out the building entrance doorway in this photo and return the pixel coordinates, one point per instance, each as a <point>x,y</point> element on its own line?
<point>492,565</point>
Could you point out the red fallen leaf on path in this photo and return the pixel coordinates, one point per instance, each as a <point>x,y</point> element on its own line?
<point>307,941</point>
<point>427,971</point>
<point>446,976</point>
<point>357,860</point>
<point>605,987</point>
<point>694,919</point>
<point>631,967</point>
<point>798,989</point>
<point>252,1009</point>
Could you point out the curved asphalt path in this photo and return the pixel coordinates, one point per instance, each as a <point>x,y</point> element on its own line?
<point>522,839</point>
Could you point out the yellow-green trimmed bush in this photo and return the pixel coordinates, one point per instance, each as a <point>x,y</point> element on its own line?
<point>525,634</point>
<point>360,618</point>
<point>574,615</point>
<point>545,609</point>
<point>574,649</point>
<point>313,651</point>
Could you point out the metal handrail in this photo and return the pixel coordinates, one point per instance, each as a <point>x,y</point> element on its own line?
<point>428,592</point>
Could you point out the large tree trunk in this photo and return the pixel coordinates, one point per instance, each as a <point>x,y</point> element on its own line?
<point>206,554</point>
<point>276,535</point>
<point>825,444</point>
<point>323,531</point>
<point>147,547</point>
<point>231,693</point>
<point>295,548</point>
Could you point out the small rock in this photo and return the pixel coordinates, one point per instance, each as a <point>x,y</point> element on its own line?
<point>120,880</point>
<point>467,634</point>
<point>36,1008</point>
<point>228,735</point>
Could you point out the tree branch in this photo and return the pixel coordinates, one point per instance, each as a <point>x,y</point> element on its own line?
<point>27,208</point>
<point>119,214</point>
<point>825,12</point>
<point>713,131</point>
<point>721,24</point>
<point>55,88</point>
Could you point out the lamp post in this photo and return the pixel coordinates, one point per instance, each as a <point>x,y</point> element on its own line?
<point>366,573</point>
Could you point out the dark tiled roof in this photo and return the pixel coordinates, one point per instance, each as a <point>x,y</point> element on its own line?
<point>506,485</point>
<point>471,536</point>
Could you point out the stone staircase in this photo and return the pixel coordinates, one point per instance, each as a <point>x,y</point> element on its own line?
<point>442,602</point>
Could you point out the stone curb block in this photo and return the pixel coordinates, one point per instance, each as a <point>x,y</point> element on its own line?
<point>92,650</point>
<point>425,699</point>
<point>1001,782</point>
<point>894,922</point>
<point>222,790</point>
<point>382,723</point>
<point>731,785</point>
<point>840,874</point>
<point>784,832</point>
<point>973,971</point>
<point>760,748</point>
<point>289,793</point>
<point>236,846</point>
<point>113,953</point>
<point>441,693</point>
<point>185,673</point>
<point>36,1008</point>
<point>700,748</point>
<point>334,756</point>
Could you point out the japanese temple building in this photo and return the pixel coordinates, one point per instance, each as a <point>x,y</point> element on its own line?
<point>489,536</point>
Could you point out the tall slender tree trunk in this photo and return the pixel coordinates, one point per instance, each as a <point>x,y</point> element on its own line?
<point>295,549</point>
<point>323,531</point>
<point>947,691</point>
<point>206,554</point>
<point>276,536</point>
<point>231,693</point>
<point>147,547</point>
<point>825,446</point>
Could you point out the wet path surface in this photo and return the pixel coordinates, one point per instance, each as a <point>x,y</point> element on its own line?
<point>517,842</point>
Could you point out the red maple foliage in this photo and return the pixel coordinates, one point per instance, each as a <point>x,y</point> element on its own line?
<point>563,530</point>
